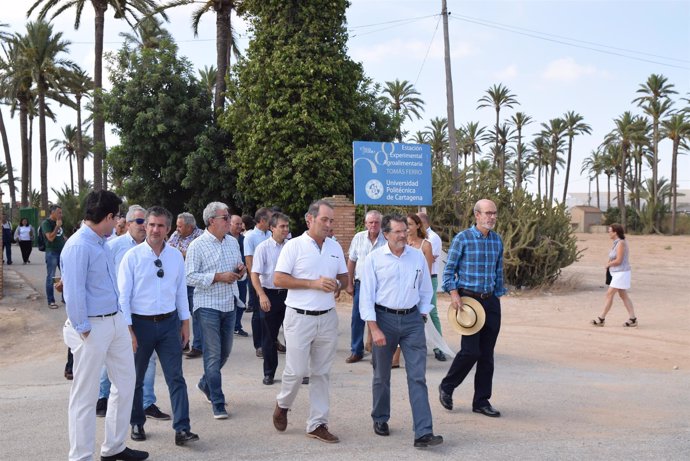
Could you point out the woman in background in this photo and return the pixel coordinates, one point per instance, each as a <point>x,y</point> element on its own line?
<point>619,266</point>
<point>24,235</point>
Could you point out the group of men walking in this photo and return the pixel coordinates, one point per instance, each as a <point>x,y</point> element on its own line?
<point>123,311</point>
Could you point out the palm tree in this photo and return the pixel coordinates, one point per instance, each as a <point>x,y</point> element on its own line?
<point>628,130</point>
<point>497,96</point>
<point>5,36</point>
<point>655,102</point>
<point>78,84</point>
<point>554,130</point>
<point>676,128</point>
<point>148,33</point>
<point>574,126</point>
<point>67,148</point>
<point>472,134</point>
<point>207,76</point>
<point>538,158</point>
<point>419,137</point>
<point>593,165</point>
<point>519,121</point>
<point>123,10</point>
<point>41,48</point>
<point>401,98</point>
<point>437,137</point>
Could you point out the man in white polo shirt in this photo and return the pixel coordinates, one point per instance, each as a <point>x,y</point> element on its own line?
<point>312,268</point>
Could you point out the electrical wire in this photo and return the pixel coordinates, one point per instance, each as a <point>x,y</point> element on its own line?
<point>427,50</point>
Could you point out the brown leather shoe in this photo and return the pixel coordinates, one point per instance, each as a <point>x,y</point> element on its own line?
<point>280,418</point>
<point>321,433</point>
<point>353,358</point>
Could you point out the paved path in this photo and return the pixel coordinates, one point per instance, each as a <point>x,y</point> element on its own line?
<point>551,411</point>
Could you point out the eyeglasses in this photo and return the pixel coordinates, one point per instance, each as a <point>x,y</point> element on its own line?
<point>491,214</point>
<point>159,264</point>
<point>224,217</point>
<point>138,220</point>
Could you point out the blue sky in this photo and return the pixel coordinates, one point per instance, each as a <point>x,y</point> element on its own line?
<point>526,45</point>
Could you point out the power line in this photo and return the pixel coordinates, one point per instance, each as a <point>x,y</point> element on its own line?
<point>427,50</point>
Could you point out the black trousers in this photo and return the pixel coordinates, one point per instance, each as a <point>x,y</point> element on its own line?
<point>25,246</point>
<point>270,326</point>
<point>253,307</point>
<point>477,349</point>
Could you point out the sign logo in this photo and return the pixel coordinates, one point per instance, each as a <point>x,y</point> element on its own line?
<point>374,189</point>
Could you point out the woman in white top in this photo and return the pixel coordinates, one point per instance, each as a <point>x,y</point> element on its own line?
<point>619,266</point>
<point>25,236</point>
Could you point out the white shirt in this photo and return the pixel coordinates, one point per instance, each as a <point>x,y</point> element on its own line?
<point>252,240</point>
<point>435,241</point>
<point>143,292</point>
<point>119,246</point>
<point>302,259</point>
<point>206,256</point>
<point>395,282</point>
<point>265,259</point>
<point>361,246</point>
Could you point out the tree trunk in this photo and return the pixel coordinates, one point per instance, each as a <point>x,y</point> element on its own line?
<point>608,191</point>
<point>222,41</point>
<point>98,122</point>
<point>43,144</point>
<point>26,155</point>
<point>518,173</point>
<point>597,180</point>
<point>567,168</point>
<point>552,173</point>
<point>621,193</point>
<point>71,171</point>
<point>8,163</point>
<point>80,147</point>
<point>674,178</point>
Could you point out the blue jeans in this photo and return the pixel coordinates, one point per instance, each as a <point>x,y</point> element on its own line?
<point>196,328</point>
<point>52,262</point>
<point>217,330</point>
<point>356,325</point>
<point>164,338</point>
<point>149,381</point>
<point>242,287</point>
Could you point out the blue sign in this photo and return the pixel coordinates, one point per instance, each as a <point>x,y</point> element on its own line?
<point>387,173</point>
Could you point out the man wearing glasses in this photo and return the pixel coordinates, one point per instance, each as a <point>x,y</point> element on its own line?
<point>213,266</point>
<point>97,333</point>
<point>135,234</point>
<point>153,296</point>
<point>475,269</point>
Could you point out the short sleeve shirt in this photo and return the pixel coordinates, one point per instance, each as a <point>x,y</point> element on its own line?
<point>59,241</point>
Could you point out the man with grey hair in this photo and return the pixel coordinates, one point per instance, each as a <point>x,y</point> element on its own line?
<point>312,268</point>
<point>213,266</point>
<point>185,232</point>
<point>363,243</point>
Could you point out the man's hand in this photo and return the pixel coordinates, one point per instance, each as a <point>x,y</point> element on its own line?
<point>264,303</point>
<point>85,335</point>
<point>350,289</point>
<point>58,286</point>
<point>226,277</point>
<point>378,337</point>
<point>455,300</point>
<point>326,284</point>
<point>135,346</point>
<point>184,332</point>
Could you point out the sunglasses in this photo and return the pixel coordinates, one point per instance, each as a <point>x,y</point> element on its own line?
<point>224,217</point>
<point>159,265</point>
<point>138,220</point>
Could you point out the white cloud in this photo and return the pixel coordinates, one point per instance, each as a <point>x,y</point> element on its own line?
<point>509,73</point>
<point>567,70</point>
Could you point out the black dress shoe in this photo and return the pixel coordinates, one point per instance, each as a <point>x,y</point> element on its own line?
<point>194,353</point>
<point>183,437</point>
<point>439,355</point>
<point>268,380</point>
<point>381,428</point>
<point>138,432</point>
<point>428,440</point>
<point>127,455</point>
<point>445,398</point>
<point>487,410</point>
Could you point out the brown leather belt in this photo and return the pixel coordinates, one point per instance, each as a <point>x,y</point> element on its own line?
<point>474,294</point>
<point>154,318</point>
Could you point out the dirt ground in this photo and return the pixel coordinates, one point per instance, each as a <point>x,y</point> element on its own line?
<point>567,390</point>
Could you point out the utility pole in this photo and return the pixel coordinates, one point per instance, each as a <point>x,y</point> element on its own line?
<point>452,141</point>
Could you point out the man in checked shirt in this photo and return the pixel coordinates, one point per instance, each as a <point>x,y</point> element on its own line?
<point>475,269</point>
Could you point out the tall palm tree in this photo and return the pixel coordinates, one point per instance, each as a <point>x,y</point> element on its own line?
<point>574,126</point>
<point>628,130</point>
<point>654,100</point>
<point>207,76</point>
<point>554,130</point>
<point>67,147</point>
<point>401,98</point>
<point>593,166</point>
<point>676,128</point>
<point>78,84</point>
<point>538,158</point>
<point>437,137</point>
<point>147,33</point>
<point>41,48</point>
<point>497,96</point>
<point>128,10</point>
<point>6,36</point>
<point>519,121</point>
<point>472,134</point>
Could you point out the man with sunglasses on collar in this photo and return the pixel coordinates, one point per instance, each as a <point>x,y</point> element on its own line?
<point>134,235</point>
<point>153,295</point>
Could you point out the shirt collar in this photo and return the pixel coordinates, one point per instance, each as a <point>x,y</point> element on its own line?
<point>91,235</point>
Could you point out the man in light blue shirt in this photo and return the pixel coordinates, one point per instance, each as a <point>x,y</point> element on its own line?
<point>260,233</point>
<point>97,333</point>
<point>153,296</point>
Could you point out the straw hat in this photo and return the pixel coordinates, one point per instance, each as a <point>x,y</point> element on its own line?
<point>470,319</point>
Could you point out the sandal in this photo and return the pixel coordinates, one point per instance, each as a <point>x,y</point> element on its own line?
<point>598,322</point>
<point>53,306</point>
<point>631,323</point>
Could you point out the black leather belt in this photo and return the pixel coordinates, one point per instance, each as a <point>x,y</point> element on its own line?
<point>276,290</point>
<point>474,294</point>
<point>379,307</point>
<point>434,276</point>
<point>305,312</point>
<point>103,316</point>
<point>154,318</point>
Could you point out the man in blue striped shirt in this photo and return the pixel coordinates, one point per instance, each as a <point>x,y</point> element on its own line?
<point>475,269</point>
